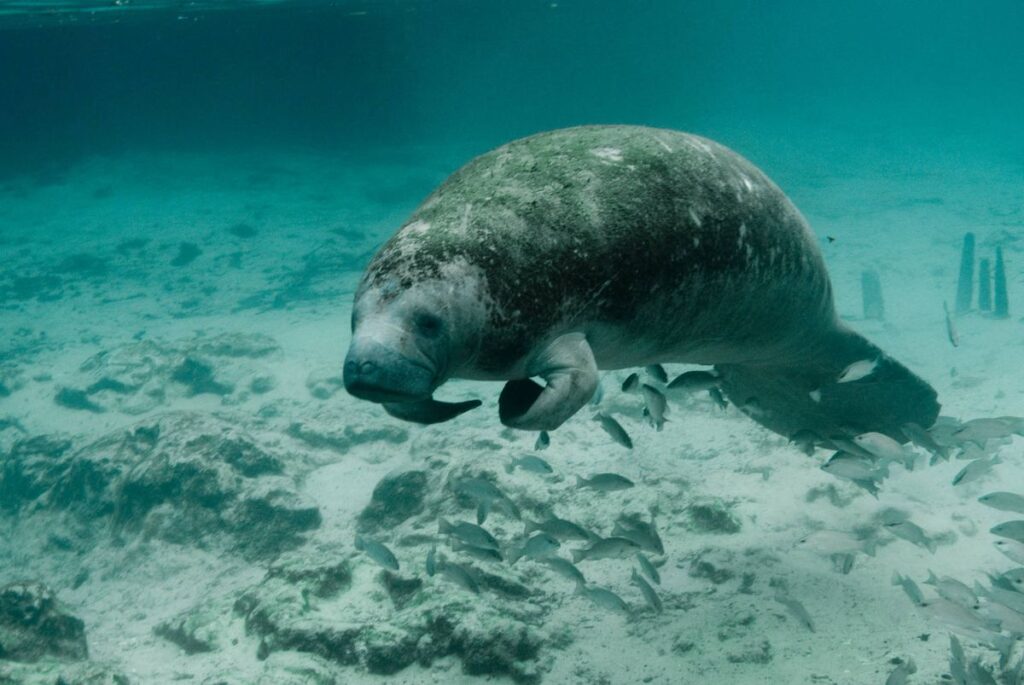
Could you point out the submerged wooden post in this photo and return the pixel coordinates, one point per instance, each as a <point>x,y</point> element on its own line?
<point>871,295</point>
<point>1001,307</point>
<point>965,287</point>
<point>984,286</point>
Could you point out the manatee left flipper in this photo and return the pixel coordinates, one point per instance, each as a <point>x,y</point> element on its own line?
<point>429,410</point>
<point>567,365</point>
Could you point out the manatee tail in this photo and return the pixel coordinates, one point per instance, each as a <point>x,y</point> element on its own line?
<point>803,395</point>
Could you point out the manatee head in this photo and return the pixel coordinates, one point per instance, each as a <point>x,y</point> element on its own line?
<point>409,335</point>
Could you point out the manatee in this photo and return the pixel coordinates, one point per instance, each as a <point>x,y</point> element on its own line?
<point>609,247</point>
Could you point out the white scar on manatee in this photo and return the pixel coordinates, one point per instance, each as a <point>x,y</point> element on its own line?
<point>611,154</point>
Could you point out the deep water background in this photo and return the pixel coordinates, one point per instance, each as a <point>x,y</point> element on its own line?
<point>771,79</point>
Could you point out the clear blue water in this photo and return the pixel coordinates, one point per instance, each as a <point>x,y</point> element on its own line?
<point>189,194</point>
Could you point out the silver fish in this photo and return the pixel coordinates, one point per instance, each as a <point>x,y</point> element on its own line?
<point>603,598</point>
<point>797,609</point>
<point>560,529</point>
<point>1014,530</point>
<point>1011,580</point>
<point>469,533</point>
<point>377,551</point>
<point>632,383</point>
<point>657,372</point>
<point>642,533</point>
<point>912,533</point>
<point>858,370</point>
<point>830,542</point>
<point>1004,501</point>
<point>953,590</point>
<point>655,404</point>
<point>909,587</point>
<point>1011,549</point>
<point>976,469</point>
<point>852,467</point>
<point>648,568</point>
<point>957,658</point>
<point>900,674</point>
<point>481,553</point>
<point>530,463</point>
<point>539,546</point>
<point>958,615</point>
<point>604,482</point>
<point>606,548</point>
<point>564,568</point>
<point>979,431</point>
<point>486,495</point>
<point>880,445</point>
<point>648,592</point>
<point>543,441</point>
<point>614,429</point>
<point>461,576</point>
<point>694,381</point>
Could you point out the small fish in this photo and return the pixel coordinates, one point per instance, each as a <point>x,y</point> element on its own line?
<point>912,533</point>
<point>461,576</point>
<point>539,546</point>
<point>606,548</point>
<point>648,592</point>
<point>543,441</point>
<point>1014,530</point>
<point>632,383</point>
<point>909,587</point>
<point>694,381</point>
<point>614,429</point>
<point>481,553</point>
<point>976,469</point>
<point>953,590</point>
<point>606,599</point>
<point>831,542</point>
<point>657,372</point>
<point>957,658</point>
<point>954,337</point>
<point>560,529</point>
<point>718,397</point>
<point>806,441</point>
<point>377,551</point>
<point>858,370</point>
<point>487,495</point>
<point>432,561</point>
<point>958,615</point>
<point>900,674</point>
<point>642,533</point>
<point>923,439</point>
<point>980,431</point>
<point>468,533</point>
<point>648,568</point>
<point>852,467</point>
<point>881,446</point>
<point>1011,580</point>
<point>604,482</point>
<point>796,608</point>
<point>530,463</point>
<point>1011,599</point>
<point>655,404</point>
<point>1011,549</point>
<point>564,568</point>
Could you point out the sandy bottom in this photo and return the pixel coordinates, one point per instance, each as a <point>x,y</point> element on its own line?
<point>93,260</point>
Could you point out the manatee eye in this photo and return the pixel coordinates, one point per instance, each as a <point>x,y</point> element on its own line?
<point>428,324</point>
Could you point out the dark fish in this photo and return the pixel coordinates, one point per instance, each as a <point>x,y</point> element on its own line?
<point>543,441</point>
<point>606,548</point>
<point>648,592</point>
<point>655,405</point>
<point>432,561</point>
<point>559,528</point>
<point>539,546</point>
<point>468,533</point>
<point>954,337</point>
<point>694,381</point>
<point>632,383</point>
<point>657,372</point>
<point>642,533</point>
<point>718,397</point>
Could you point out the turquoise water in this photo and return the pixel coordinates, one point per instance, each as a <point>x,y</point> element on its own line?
<point>189,196</point>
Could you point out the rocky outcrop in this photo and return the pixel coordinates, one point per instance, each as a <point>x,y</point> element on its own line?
<point>34,625</point>
<point>183,478</point>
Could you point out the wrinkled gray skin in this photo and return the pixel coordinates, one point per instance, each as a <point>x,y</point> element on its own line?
<point>606,247</point>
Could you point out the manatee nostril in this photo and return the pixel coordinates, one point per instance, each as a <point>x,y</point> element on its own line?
<point>367,368</point>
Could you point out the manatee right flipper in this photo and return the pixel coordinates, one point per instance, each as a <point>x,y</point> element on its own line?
<point>429,411</point>
<point>805,396</point>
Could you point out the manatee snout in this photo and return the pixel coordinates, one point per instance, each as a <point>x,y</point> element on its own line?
<point>379,373</point>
